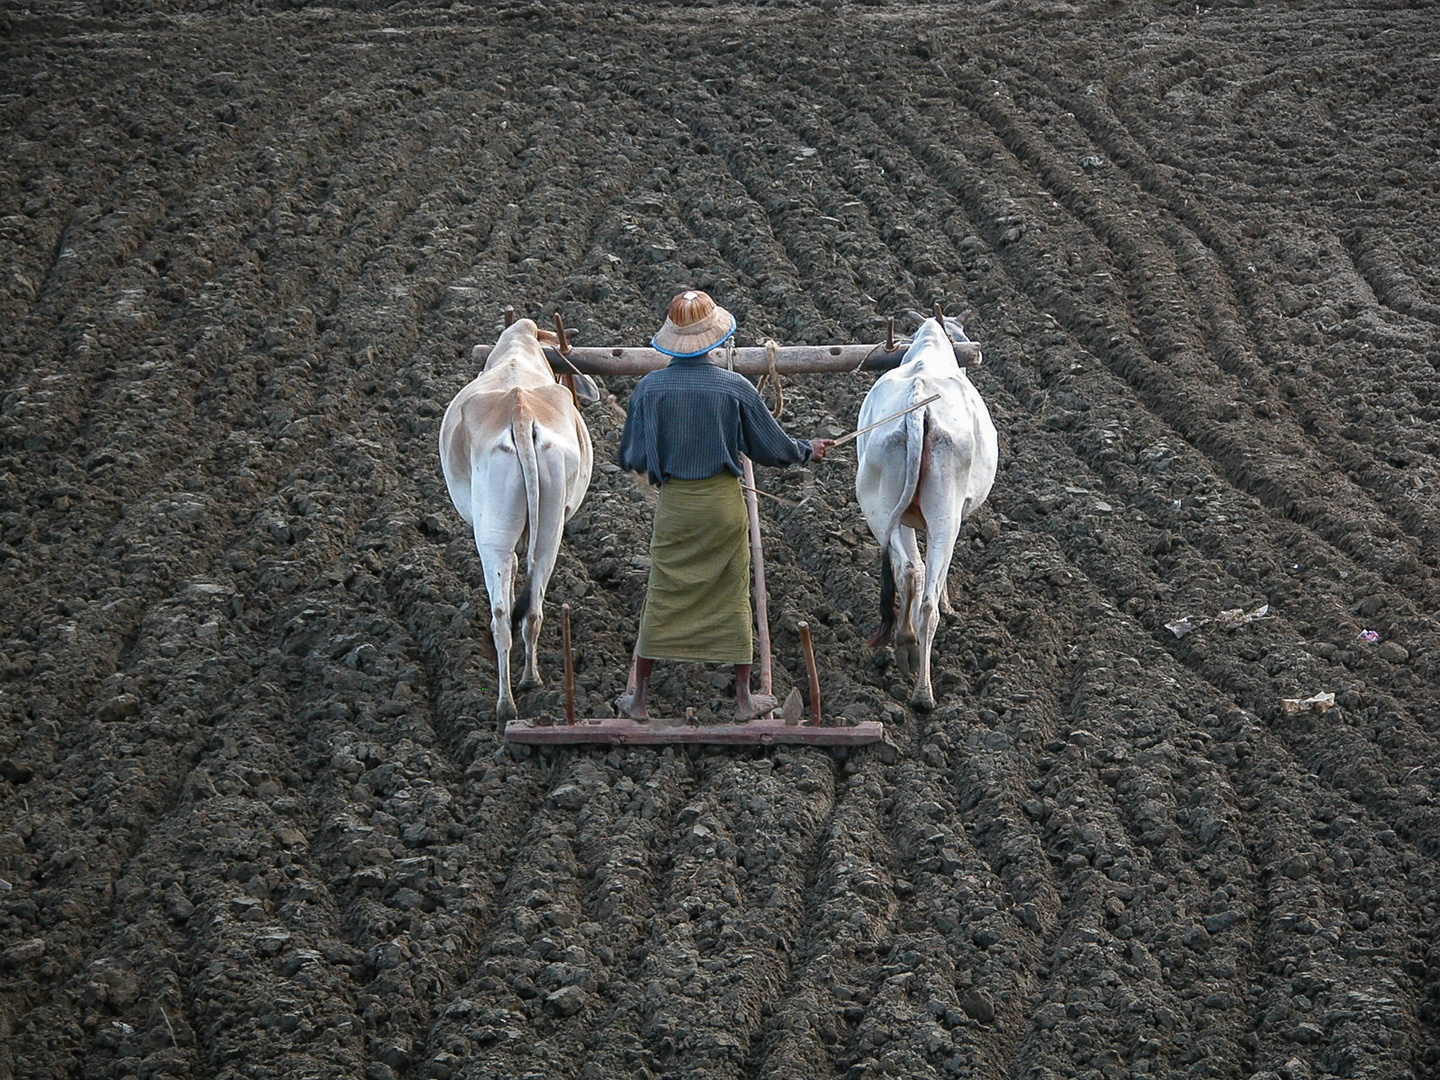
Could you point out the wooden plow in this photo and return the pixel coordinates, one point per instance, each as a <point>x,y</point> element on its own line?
<point>795,724</point>
<point>814,729</point>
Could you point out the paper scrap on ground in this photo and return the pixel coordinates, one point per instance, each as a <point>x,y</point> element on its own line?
<point>1229,620</point>
<point>1315,703</point>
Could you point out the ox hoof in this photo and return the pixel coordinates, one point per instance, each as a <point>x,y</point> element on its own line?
<point>907,659</point>
<point>922,700</point>
<point>505,712</point>
<point>531,682</point>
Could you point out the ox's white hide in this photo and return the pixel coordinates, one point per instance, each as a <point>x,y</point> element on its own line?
<point>929,469</point>
<point>517,459</point>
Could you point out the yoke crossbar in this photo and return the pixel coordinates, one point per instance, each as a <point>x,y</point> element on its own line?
<point>608,362</point>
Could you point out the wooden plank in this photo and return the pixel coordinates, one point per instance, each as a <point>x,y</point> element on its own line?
<point>654,732</point>
<point>752,361</point>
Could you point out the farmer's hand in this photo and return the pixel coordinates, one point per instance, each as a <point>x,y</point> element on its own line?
<point>819,448</point>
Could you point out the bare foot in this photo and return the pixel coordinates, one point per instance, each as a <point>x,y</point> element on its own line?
<point>755,705</point>
<point>628,705</point>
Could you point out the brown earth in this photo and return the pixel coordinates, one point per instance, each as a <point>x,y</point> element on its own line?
<point>255,819</point>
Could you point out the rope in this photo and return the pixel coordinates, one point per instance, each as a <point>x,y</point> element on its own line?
<point>772,376</point>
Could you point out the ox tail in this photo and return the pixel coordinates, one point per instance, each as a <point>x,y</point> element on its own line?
<point>886,634</point>
<point>522,429</point>
<point>916,431</point>
<point>521,609</point>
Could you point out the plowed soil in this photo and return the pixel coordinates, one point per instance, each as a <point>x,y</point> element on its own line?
<point>255,816</point>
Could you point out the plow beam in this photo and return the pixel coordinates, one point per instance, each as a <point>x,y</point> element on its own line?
<point>753,361</point>
<point>627,732</point>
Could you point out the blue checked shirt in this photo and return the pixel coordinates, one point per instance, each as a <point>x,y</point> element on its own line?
<point>693,420</point>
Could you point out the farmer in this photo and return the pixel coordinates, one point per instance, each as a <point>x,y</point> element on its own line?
<point>685,429</point>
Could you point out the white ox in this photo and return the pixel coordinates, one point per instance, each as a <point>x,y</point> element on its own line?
<point>928,469</point>
<point>517,458</point>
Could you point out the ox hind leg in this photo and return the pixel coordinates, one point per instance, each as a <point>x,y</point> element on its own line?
<point>501,569</point>
<point>546,535</point>
<point>933,597</point>
<point>498,516</point>
<point>909,570</point>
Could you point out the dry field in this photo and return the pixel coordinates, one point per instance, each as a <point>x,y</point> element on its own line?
<point>255,819</point>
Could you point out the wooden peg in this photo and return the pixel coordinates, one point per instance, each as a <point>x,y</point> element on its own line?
<point>809,649</point>
<point>569,664</point>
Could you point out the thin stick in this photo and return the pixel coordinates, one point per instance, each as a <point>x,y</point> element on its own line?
<point>886,420</point>
<point>781,500</point>
<point>757,558</point>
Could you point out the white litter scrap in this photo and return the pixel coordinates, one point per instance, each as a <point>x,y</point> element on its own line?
<point>1230,620</point>
<point>1238,617</point>
<point>1182,626</point>
<point>1315,703</point>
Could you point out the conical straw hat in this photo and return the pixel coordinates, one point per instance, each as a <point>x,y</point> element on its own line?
<point>696,324</point>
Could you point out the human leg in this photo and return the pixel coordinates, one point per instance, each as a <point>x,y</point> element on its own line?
<point>748,706</point>
<point>632,703</point>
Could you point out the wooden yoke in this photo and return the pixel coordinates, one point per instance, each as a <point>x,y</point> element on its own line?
<point>565,370</point>
<point>753,361</point>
